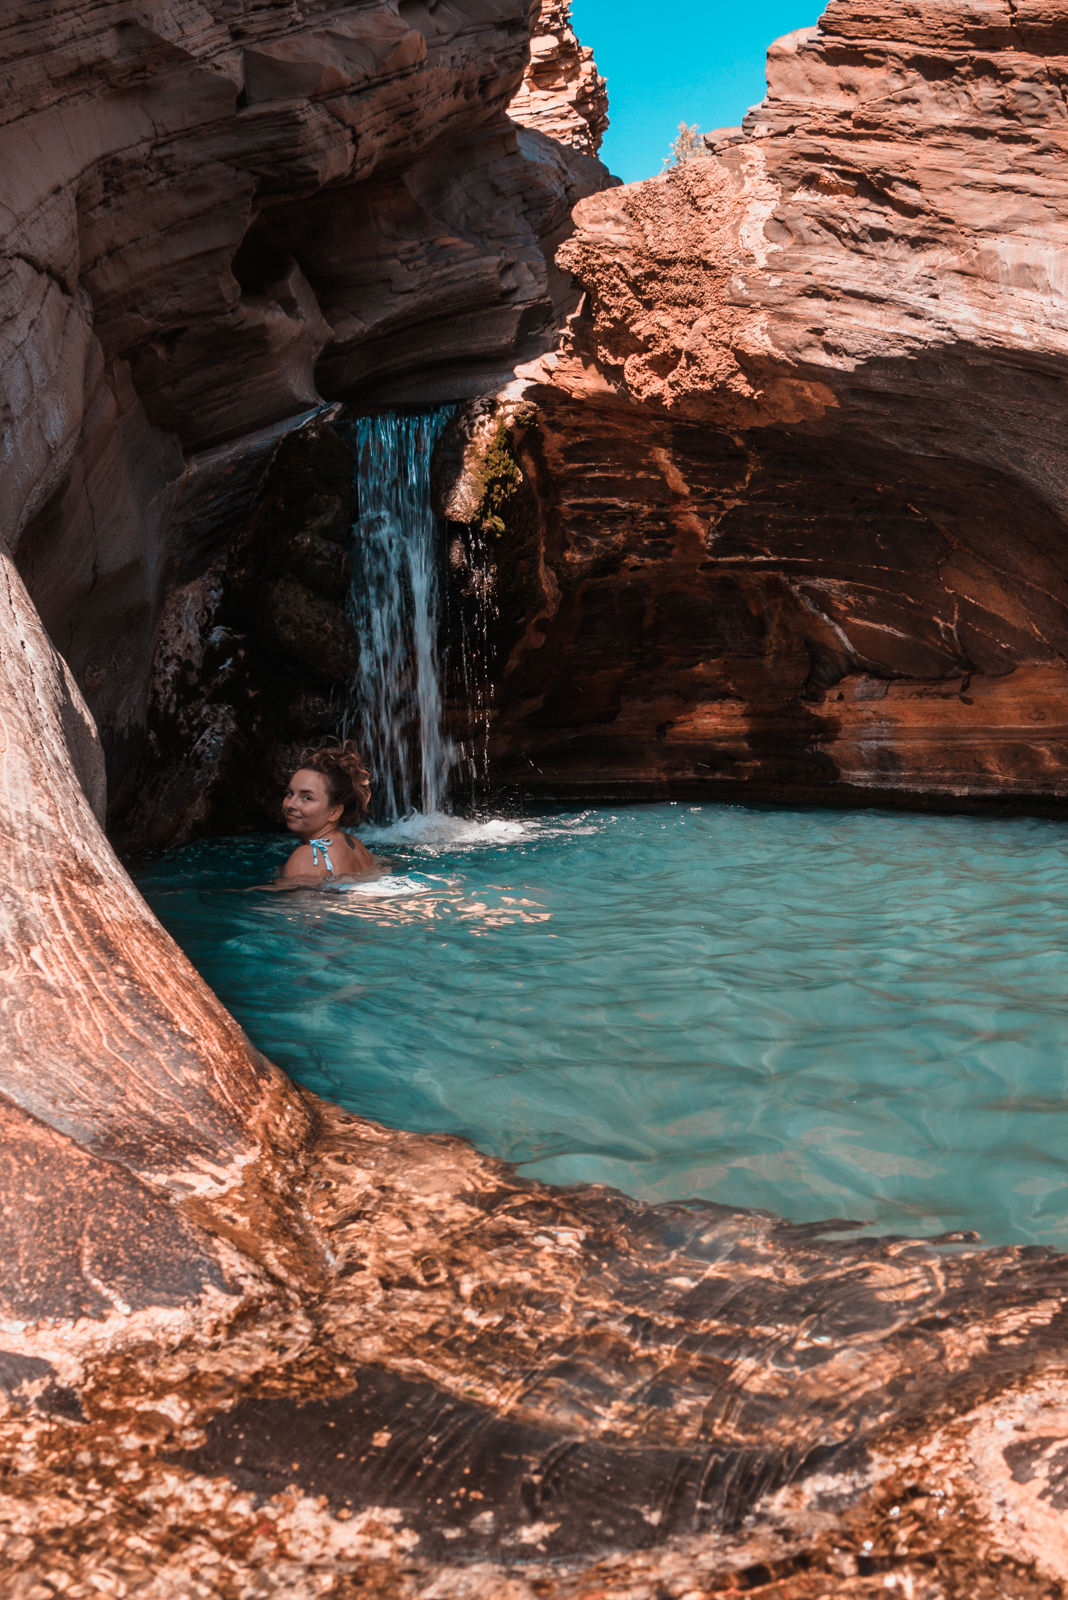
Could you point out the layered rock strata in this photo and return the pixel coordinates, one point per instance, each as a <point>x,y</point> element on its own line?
<point>796,473</point>
<point>562,94</point>
<point>129,1098</point>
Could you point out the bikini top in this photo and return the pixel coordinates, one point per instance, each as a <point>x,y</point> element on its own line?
<point>324,846</point>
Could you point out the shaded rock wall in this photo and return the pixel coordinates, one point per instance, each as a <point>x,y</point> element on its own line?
<point>253,656</point>
<point>217,218</point>
<point>800,492</point>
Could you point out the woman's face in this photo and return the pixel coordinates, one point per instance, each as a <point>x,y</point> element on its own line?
<point>307,807</point>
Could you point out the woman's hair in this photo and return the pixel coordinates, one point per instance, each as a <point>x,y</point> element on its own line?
<point>347,780</point>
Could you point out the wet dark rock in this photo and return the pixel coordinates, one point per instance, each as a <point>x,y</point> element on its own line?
<point>318,563</point>
<point>307,629</point>
<point>253,657</point>
<point>473,1483</point>
<point>18,1373</point>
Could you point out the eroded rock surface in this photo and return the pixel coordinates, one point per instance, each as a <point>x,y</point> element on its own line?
<point>125,1084</point>
<point>495,1389</point>
<point>562,93</point>
<point>796,471</point>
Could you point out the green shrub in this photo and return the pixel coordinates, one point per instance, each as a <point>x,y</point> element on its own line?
<point>501,477</point>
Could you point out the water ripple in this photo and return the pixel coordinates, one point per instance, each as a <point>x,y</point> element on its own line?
<point>815,1013</point>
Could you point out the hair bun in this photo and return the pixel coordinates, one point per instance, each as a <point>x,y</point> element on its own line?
<point>347,778</point>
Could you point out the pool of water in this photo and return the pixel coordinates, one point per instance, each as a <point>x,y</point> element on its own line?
<point>825,1014</point>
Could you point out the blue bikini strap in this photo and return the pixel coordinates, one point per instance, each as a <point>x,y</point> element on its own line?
<point>324,846</point>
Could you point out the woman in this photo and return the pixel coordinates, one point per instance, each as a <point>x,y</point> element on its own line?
<point>330,787</point>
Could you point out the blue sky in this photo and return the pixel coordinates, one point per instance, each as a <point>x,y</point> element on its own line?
<point>679,61</point>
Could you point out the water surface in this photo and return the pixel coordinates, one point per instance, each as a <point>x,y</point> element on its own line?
<point>826,1014</point>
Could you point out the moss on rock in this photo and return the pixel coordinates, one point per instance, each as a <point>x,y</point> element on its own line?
<point>501,479</point>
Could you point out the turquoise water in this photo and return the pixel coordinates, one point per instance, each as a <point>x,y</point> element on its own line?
<point>848,1014</point>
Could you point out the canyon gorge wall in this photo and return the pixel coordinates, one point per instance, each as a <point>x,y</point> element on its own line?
<point>793,520</point>
<point>219,217</point>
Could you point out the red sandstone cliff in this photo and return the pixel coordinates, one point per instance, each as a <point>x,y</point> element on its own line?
<point>798,469</point>
<point>562,94</point>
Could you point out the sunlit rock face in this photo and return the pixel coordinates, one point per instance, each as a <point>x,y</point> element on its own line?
<point>471,1386</point>
<point>562,94</point>
<point>797,471</point>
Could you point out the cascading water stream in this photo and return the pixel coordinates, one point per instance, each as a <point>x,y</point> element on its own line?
<point>398,711</point>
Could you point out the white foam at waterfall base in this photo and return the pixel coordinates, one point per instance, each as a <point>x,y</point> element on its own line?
<point>437,831</point>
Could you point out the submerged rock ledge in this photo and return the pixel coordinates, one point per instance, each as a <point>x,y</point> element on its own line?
<point>463,1384</point>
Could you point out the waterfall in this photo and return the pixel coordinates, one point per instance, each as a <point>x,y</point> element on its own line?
<point>398,709</point>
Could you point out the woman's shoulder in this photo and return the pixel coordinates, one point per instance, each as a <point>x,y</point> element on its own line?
<point>357,847</point>
<point>299,861</point>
